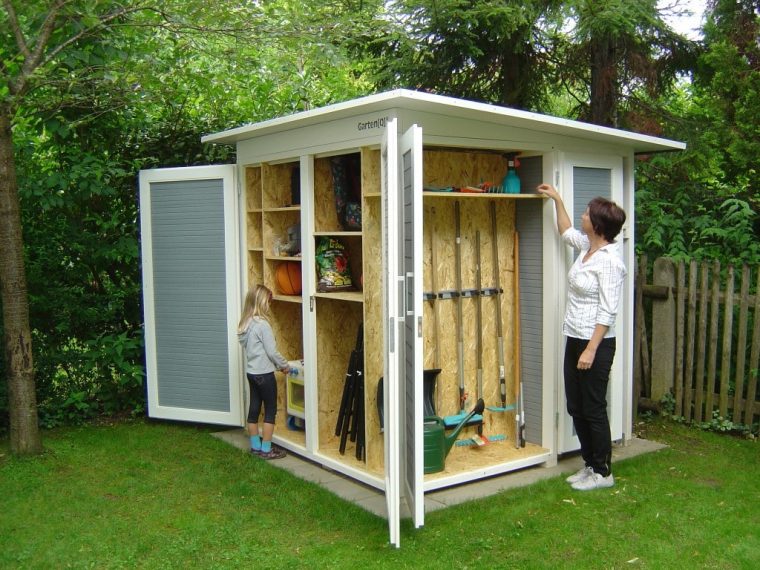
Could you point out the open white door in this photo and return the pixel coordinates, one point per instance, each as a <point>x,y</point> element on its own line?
<point>191,294</point>
<point>392,297</point>
<point>410,214</point>
<point>586,177</point>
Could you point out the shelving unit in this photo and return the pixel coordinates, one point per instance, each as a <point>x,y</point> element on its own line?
<point>339,313</point>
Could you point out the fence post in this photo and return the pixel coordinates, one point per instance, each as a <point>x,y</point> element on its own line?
<point>663,331</point>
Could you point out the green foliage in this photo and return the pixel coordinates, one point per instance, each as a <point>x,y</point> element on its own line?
<point>681,224</point>
<point>717,423</point>
<point>705,202</point>
<point>720,424</point>
<point>482,50</point>
<point>135,95</point>
<point>100,377</point>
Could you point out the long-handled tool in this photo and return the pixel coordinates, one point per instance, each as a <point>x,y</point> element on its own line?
<point>479,323</point>
<point>520,413</point>
<point>499,325</point>
<point>452,421</point>
<point>430,376</point>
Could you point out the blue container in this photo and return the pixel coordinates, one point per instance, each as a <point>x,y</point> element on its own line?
<point>511,183</point>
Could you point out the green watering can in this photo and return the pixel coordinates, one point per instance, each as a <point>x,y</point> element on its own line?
<point>437,444</point>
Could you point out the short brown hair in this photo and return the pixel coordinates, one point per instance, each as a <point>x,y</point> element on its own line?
<point>607,218</point>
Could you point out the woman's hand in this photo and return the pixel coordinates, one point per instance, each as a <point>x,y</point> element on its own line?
<point>563,219</point>
<point>549,191</point>
<point>586,359</point>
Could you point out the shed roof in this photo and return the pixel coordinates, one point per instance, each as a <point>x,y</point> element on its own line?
<point>461,108</point>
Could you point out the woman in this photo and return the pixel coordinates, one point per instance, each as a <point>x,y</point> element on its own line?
<point>262,357</point>
<point>595,283</point>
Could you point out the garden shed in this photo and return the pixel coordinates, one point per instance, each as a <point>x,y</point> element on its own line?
<point>408,283</point>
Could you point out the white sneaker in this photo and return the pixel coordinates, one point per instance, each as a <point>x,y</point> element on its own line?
<point>580,475</point>
<point>594,481</point>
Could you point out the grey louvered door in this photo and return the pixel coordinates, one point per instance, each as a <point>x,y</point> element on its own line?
<point>191,294</point>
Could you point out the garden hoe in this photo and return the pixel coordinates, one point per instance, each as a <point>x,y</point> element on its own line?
<point>430,375</point>
<point>520,413</point>
<point>499,325</point>
<point>453,421</point>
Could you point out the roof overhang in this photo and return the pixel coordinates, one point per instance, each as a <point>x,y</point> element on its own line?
<point>450,106</point>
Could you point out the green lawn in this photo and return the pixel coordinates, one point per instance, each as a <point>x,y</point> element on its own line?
<point>157,495</point>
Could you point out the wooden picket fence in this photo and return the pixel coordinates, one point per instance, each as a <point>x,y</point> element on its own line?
<point>698,340</point>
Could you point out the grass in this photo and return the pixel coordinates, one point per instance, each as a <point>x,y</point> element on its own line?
<point>158,495</point>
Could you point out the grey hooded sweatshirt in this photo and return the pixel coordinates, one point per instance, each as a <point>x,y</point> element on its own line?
<point>261,351</point>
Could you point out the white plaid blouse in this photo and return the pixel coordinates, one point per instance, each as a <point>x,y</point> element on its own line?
<point>594,288</point>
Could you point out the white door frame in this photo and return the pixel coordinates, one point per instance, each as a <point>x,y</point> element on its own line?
<point>392,327</point>
<point>410,215</point>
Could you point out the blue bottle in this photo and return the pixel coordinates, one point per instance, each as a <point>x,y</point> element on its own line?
<point>511,183</point>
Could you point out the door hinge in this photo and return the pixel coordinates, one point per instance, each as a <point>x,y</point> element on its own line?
<point>311,304</point>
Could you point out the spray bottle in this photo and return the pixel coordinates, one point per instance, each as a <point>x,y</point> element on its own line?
<point>511,182</point>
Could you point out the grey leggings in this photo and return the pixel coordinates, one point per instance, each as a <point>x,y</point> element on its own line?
<point>263,390</point>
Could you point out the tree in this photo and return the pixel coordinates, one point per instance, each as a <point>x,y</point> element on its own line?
<point>621,52</point>
<point>38,38</point>
<point>91,92</point>
<point>485,50</point>
<point>31,41</point>
<point>703,203</point>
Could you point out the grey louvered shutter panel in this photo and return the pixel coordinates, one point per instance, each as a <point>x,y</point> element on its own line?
<point>588,183</point>
<point>529,224</point>
<point>189,298</point>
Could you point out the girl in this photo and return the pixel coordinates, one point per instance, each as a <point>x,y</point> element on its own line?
<point>262,357</point>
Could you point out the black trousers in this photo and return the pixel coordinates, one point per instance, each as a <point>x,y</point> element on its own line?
<point>263,390</point>
<point>586,394</point>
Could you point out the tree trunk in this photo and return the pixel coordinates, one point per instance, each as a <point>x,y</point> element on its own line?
<point>22,401</point>
<point>512,84</point>
<point>603,81</point>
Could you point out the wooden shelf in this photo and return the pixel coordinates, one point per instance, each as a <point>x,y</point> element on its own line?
<point>287,298</point>
<point>283,209</point>
<point>281,258</point>
<point>354,296</point>
<point>339,233</point>
<point>484,195</point>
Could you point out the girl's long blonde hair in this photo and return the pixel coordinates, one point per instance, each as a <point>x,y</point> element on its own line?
<point>256,305</point>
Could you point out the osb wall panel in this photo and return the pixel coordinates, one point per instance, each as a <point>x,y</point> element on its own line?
<point>286,325</point>
<point>253,229</point>
<point>455,168</point>
<point>285,319</point>
<point>373,306</point>
<point>440,233</point>
<point>276,225</point>
<point>337,325</point>
<point>371,179</point>
<point>325,214</point>
<point>255,268</point>
<point>276,184</point>
<point>253,188</point>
